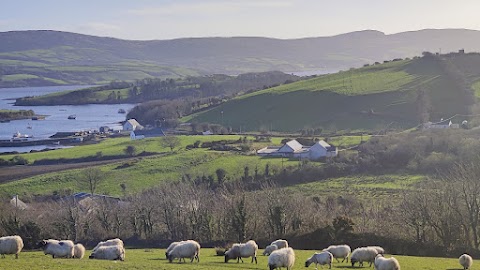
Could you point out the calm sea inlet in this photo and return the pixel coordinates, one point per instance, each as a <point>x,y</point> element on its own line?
<point>89,117</point>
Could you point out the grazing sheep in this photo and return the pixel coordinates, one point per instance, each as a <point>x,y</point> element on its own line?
<point>111,242</point>
<point>108,253</point>
<point>284,257</point>
<point>363,254</point>
<point>185,249</point>
<point>269,249</point>
<point>170,247</point>
<point>58,249</point>
<point>78,251</point>
<point>339,251</point>
<point>280,243</point>
<point>321,258</point>
<point>379,249</point>
<point>466,261</point>
<point>239,251</point>
<point>382,263</point>
<point>11,245</point>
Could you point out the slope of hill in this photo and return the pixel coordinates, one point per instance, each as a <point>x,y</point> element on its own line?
<point>51,57</point>
<point>399,94</point>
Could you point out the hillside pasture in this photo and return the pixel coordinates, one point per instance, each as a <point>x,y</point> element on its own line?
<point>373,98</point>
<point>143,259</point>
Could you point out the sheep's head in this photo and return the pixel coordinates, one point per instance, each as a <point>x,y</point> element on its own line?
<point>353,261</point>
<point>170,258</point>
<point>91,256</point>
<point>227,257</point>
<point>307,263</point>
<point>166,255</point>
<point>43,244</point>
<point>271,266</point>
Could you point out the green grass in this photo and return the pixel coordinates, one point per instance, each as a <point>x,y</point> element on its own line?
<point>360,185</point>
<point>17,77</point>
<point>142,173</point>
<point>60,66</point>
<point>476,88</point>
<point>143,259</point>
<point>366,99</point>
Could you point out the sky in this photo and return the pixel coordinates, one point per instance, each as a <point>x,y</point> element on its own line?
<point>168,19</point>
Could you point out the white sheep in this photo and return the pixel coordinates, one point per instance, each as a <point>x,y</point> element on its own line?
<point>382,263</point>
<point>239,251</point>
<point>11,245</point>
<point>58,249</point>
<point>108,253</point>
<point>269,249</point>
<point>466,261</point>
<point>363,254</point>
<point>170,247</point>
<point>185,249</point>
<point>379,249</point>
<point>339,251</point>
<point>284,257</point>
<point>280,243</point>
<point>78,251</point>
<point>111,242</point>
<point>321,258</point>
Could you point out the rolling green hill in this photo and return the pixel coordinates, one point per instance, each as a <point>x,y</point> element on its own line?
<point>35,58</point>
<point>397,94</point>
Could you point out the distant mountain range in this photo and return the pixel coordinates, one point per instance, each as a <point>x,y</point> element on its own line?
<point>52,57</point>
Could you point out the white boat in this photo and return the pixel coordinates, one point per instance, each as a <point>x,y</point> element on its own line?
<point>21,137</point>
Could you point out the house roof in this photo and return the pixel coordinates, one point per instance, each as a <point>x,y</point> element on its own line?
<point>149,132</point>
<point>294,145</point>
<point>323,143</point>
<point>133,122</point>
<point>443,123</point>
<point>82,195</point>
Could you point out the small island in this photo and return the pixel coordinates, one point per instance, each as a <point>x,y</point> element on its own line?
<point>8,115</point>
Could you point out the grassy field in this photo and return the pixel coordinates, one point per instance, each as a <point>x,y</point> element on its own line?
<point>41,67</point>
<point>139,173</point>
<point>139,259</point>
<point>143,172</point>
<point>369,186</point>
<point>370,98</point>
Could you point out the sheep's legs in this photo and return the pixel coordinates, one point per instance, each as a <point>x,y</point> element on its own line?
<point>16,256</point>
<point>254,257</point>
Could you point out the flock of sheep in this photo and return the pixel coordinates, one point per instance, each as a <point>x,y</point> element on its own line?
<point>112,249</point>
<point>278,252</point>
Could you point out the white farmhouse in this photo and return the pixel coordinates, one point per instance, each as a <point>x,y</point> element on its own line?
<point>131,124</point>
<point>294,149</point>
<point>146,133</point>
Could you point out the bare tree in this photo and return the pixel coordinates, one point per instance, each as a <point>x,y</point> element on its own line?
<point>91,178</point>
<point>170,142</point>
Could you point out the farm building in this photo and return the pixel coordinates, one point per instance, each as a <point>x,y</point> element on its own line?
<point>88,201</point>
<point>443,124</point>
<point>131,124</point>
<point>146,133</point>
<point>296,150</point>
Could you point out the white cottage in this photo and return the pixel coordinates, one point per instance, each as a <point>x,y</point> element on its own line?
<point>294,149</point>
<point>146,133</point>
<point>131,124</point>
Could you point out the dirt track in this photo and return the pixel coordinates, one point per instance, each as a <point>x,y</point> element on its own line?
<point>8,174</point>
